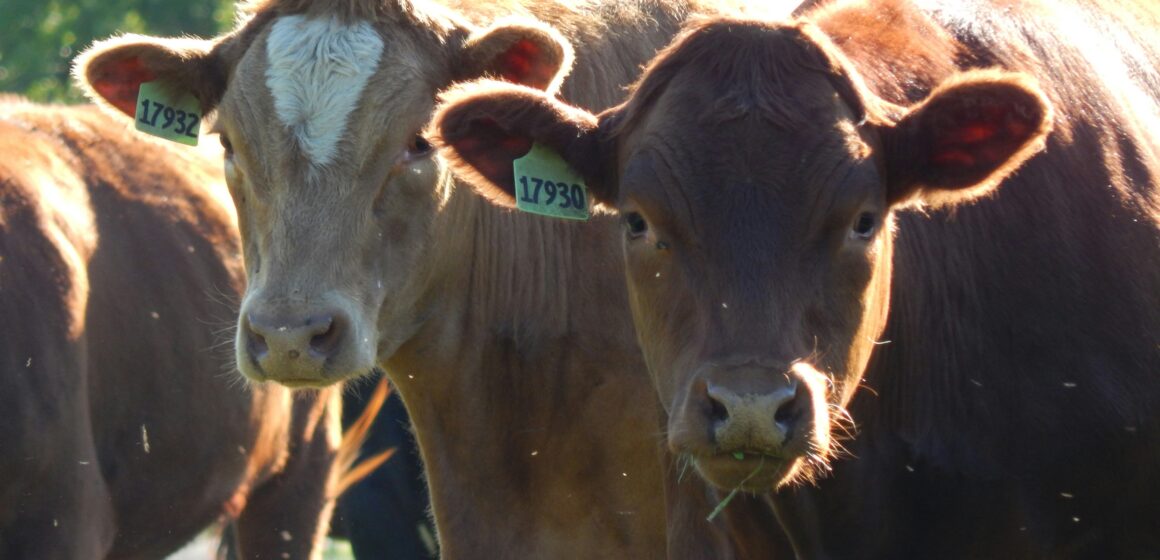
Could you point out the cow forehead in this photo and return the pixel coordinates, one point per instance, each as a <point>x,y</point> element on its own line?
<point>744,183</point>
<point>317,69</point>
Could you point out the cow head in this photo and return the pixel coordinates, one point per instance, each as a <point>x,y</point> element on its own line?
<point>320,108</point>
<point>756,176</point>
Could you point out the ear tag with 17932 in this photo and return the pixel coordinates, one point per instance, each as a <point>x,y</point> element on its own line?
<point>163,114</point>
<point>547,186</point>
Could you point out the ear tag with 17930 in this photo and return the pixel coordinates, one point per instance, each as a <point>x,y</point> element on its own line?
<point>547,186</point>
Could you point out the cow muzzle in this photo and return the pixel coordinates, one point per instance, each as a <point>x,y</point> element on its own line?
<point>298,346</point>
<point>752,427</point>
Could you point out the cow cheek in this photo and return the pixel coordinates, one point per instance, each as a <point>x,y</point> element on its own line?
<point>864,299</point>
<point>664,323</point>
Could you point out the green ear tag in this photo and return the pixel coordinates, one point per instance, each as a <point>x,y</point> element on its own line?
<point>176,118</point>
<point>545,185</point>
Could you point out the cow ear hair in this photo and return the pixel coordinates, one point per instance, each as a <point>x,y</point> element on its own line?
<point>484,126</point>
<point>965,138</point>
<point>520,51</point>
<point>110,72</point>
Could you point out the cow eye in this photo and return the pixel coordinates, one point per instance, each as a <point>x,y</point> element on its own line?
<point>418,147</point>
<point>864,228</point>
<point>635,225</point>
<point>226,145</point>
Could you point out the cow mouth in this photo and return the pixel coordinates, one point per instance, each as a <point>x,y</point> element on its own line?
<point>304,383</point>
<point>749,472</point>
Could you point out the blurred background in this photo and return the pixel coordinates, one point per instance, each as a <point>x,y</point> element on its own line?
<point>39,38</point>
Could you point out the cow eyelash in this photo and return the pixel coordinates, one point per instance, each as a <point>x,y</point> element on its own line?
<point>419,147</point>
<point>634,225</point>
<point>226,145</point>
<point>864,228</point>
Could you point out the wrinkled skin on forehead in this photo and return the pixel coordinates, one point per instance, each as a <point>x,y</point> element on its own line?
<point>756,178</point>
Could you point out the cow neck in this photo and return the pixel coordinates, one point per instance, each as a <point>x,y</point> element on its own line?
<point>514,380</point>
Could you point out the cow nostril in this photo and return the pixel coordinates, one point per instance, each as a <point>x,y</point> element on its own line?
<point>256,344</point>
<point>718,413</point>
<point>326,341</point>
<point>787,415</point>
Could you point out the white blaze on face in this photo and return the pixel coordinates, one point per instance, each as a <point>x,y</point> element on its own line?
<point>317,69</point>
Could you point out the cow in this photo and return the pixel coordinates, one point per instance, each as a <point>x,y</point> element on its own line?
<point>535,421</point>
<point>814,231</point>
<point>123,431</point>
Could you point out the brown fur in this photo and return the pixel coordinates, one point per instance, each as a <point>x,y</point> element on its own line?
<point>124,434</point>
<point>1016,371</point>
<point>532,411</point>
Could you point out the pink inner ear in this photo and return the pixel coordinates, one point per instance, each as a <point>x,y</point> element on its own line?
<point>524,63</point>
<point>979,134</point>
<point>491,150</point>
<point>119,80</point>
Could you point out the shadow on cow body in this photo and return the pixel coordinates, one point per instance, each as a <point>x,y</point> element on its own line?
<point>764,171</point>
<point>123,432</point>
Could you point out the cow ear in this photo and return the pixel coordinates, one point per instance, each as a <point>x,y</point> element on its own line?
<point>965,138</point>
<point>484,126</point>
<point>111,71</point>
<point>518,51</point>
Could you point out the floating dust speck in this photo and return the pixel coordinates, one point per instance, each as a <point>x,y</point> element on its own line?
<point>83,462</point>
<point>724,305</point>
<point>1075,520</point>
<point>624,474</point>
<point>28,364</point>
<point>55,522</point>
<point>155,314</point>
<point>534,453</point>
<point>976,383</point>
<point>1069,385</point>
<point>909,468</point>
<point>286,536</point>
<point>1067,495</point>
<point>144,438</point>
<point>241,450</point>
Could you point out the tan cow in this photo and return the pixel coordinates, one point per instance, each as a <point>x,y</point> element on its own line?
<point>1006,338</point>
<point>526,389</point>
<point>122,431</point>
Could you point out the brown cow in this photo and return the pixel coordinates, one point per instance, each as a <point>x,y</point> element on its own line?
<point>764,171</point>
<point>534,417</point>
<point>123,432</point>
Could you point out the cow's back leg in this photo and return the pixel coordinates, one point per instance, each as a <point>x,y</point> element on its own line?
<point>54,503</point>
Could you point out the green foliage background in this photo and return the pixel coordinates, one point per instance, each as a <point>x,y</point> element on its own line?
<point>39,38</point>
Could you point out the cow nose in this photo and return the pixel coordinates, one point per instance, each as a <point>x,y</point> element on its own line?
<point>762,422</point>
<point>314,338</point>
